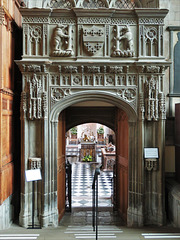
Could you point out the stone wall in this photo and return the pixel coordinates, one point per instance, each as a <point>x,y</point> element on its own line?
<point>173,196</point>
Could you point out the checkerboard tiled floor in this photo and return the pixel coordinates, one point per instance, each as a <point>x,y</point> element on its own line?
<point>82,178</point>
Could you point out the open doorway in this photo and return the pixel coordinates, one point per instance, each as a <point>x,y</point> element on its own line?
<point>89,146</point>
<point>117,137</point>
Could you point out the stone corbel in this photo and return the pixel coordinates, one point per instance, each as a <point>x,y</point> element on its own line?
<point>151,164</point>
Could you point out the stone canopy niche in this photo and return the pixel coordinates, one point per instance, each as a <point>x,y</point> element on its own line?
<point>75,51</point>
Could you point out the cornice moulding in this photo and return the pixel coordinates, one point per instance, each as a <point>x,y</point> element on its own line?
<point>104,12</point>
<point>151,12</point>
<point>173,28</point>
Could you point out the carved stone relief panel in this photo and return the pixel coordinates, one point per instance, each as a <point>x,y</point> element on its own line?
<point>154,99</point>
<point>72,79</point>
<point>93,40</point>
<point>62,41</point>
<point>34,97</point>
<point>151,37</point>
<point>123,42</point>
<point>151,98</point>
<point>35,38</point>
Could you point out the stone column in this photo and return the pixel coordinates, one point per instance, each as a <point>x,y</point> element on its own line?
<point>161,215</point>
<point>135,204</point>
<point>53,174</point>
<point>24,216</point>
<point>45,175</point>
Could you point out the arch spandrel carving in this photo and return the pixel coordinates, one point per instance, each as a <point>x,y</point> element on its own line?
<point>95,95</point>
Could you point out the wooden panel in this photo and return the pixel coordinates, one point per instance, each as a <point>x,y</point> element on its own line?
<point>6,151</point>
<point>61,171</point>
<point>122,145</point>
<point>6,181</point>
<point>8,38</point>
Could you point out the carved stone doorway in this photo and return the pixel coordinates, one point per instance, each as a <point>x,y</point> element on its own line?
<point>92,63</point>
<point>120,124</point>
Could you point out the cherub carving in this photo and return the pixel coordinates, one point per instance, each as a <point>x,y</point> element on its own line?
<point>61,41</point>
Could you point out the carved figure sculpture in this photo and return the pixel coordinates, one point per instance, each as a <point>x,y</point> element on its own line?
<point>125,40</point>
<point>126,36</point>
<point>62,41</point>
<point>45,3</point>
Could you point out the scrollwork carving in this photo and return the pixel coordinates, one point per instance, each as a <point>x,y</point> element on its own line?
<point>128,95</point>
<point>58,93</point>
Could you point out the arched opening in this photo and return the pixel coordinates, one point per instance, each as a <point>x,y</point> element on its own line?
<point>115,118</point>
<point>88,146</point>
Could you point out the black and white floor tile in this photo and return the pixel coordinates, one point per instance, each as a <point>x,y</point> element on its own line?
<point>82,179</point>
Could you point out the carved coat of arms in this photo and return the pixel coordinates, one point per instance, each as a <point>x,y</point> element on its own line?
<point>93,39</point>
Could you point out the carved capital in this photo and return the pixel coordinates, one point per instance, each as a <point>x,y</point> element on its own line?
<point>34,163</point>
<point>151,164</point>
